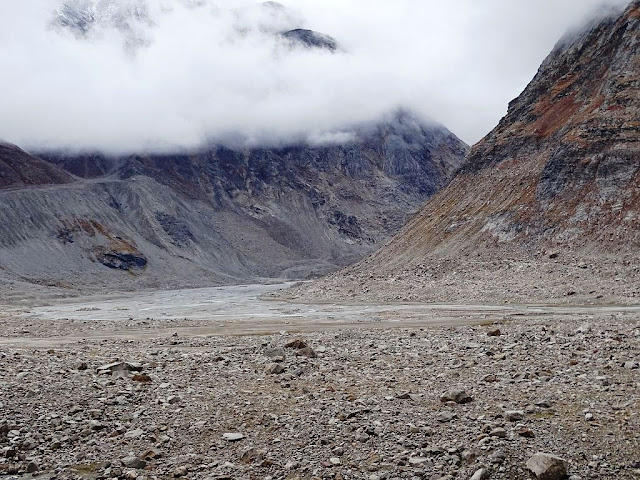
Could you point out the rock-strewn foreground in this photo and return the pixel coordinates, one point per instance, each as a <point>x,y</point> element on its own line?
<point>350,404</point>
<point>546,207</point>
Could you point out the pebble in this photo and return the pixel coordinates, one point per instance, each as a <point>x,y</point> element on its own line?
<point>446,416</point>
<point>457,396</point>
<point>514,415</point>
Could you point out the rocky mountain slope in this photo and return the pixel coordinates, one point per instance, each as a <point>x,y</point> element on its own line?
<point>547,206</point>
<point>220,215</point>
<point>19,169</point>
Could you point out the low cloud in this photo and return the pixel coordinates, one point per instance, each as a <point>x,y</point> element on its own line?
<point>133,75</point>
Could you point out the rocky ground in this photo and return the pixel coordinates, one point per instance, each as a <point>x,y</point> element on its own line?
<point>488,276</point>
<point>449,402</point>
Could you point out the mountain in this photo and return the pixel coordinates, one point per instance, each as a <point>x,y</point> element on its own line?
<point>133,19</point>
<point>310,39</point>
<point>546,206</point>
<point>221,215</point>
<point>19,169</point>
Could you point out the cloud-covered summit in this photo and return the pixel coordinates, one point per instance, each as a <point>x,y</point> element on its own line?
<point>124,75</point>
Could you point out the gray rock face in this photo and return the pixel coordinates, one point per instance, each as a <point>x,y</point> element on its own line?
<point>310,39</point>
<point>547,467</point>
<point>221,215</point>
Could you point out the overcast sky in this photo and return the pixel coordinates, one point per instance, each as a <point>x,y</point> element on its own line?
<point>190,70</point>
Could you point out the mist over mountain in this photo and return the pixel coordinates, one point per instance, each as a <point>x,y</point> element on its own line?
<point>161,75</point>
<point>214,216</point>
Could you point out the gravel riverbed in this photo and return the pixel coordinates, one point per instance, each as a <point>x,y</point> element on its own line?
<point>439,402</point>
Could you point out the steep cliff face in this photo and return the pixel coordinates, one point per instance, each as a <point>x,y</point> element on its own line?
<point>223,215</point>
<point>558,177</point>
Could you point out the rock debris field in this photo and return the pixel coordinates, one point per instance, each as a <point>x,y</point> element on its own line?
<point>536,397</point>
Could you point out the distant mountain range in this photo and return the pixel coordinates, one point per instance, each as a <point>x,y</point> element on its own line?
<point>217,215</point>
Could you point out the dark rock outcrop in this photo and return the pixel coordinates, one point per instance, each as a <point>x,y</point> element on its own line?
<point>310,39</point>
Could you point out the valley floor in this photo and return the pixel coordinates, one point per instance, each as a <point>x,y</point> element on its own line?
<point>149,385</point>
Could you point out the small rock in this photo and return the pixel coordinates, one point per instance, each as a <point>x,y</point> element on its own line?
<point>446,416</point>
<point>547,467</point>
<point>151,455</point>
<point>498,432</point>
<point>525,432</point>
<point>274,369</point>
<point>134,433</point>
<point>95,425</point>
<point>134,462</point>
<point>481,474</point>
<point>141,377</point>
<point>458,396</point>
<point>494,333</point>
<point>118,367</point>
<point>469,456</point>
<point>180,471</point>
<point>514,415</point>
<point>307,352</point>
<point>497,457</point>
<point>275,352</point>
<point>252,455</point>
<point>233,437</point>
<point>32,467</point>
<point>296,344</point>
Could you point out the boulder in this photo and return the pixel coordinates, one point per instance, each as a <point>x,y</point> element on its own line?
<point>547,467</point>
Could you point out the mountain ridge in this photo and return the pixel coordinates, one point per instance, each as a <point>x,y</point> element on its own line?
<point>546,207</point>
<point>221,215</point>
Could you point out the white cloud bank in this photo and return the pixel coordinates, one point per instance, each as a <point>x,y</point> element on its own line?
<point>183,71</point>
